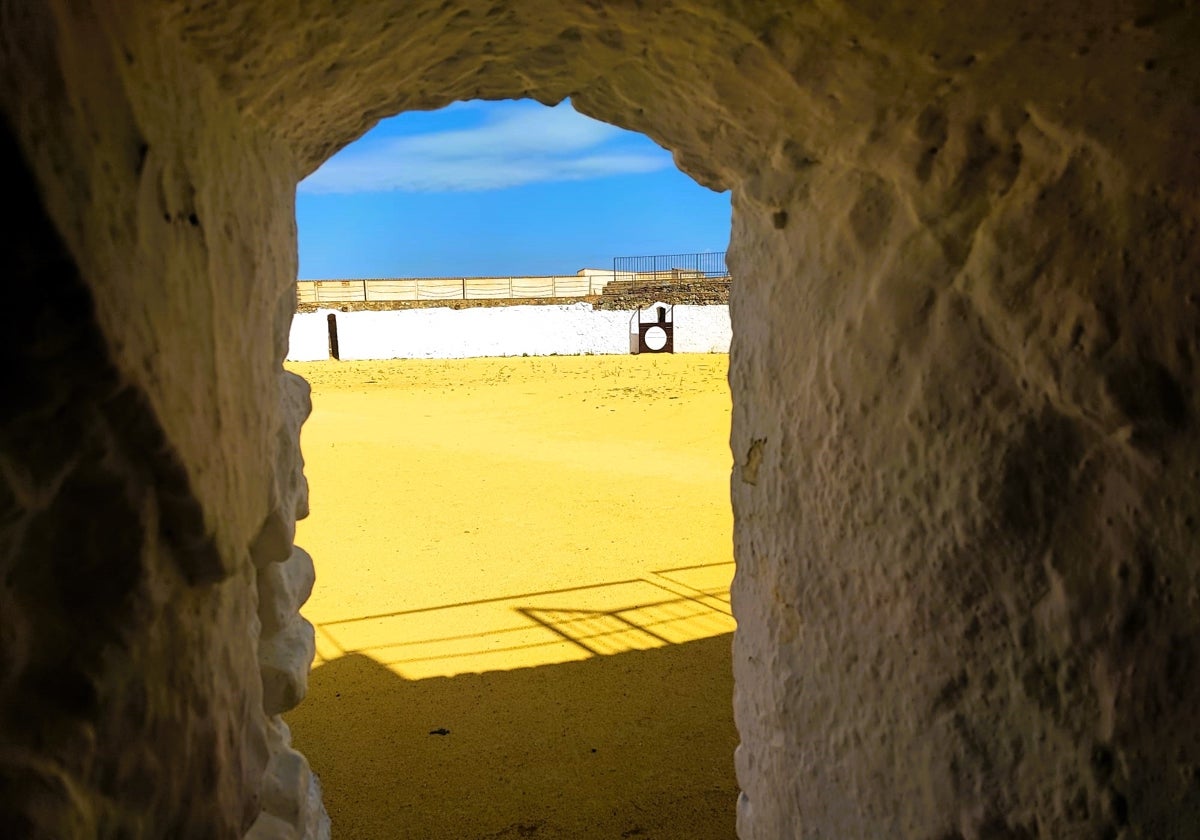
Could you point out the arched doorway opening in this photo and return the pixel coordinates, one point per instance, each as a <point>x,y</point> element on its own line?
<point>522,617</point>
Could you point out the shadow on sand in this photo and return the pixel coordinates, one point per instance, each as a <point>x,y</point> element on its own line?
<point>636,744</point>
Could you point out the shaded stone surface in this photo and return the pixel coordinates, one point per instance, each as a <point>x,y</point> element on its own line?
<point>964,378</point>
<point>124,632</point>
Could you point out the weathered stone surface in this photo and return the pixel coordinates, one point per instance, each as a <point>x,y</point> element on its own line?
<point>287,788</point>
<point>291,795</point>
<point>285,658</point>
<point>282,590</point>
<point>964,375</point>
<point>291,486</point>
<point>273,542</point>
<point>268,827</point>
<point>125,632</point>
<point>965,520</point>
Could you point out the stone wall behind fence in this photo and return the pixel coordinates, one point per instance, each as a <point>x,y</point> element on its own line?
<point>575,329</point>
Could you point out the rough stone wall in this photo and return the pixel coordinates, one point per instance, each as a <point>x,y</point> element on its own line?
<point>695,293</point>
<point>963,372</point>
<point>978,559</point>
<point>121,633</point>
<point>284,577</point>
<point>140,515</point>
<point>965,487</point>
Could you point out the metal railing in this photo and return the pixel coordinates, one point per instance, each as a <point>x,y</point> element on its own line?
<point>670,269</point>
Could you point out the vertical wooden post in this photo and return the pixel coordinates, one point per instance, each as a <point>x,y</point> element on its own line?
<point>334,350</point>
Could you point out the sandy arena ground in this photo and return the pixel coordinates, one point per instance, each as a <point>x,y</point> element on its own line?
<point>522,601</point>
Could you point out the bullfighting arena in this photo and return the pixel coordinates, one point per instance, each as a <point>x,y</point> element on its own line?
<point>522,602</point>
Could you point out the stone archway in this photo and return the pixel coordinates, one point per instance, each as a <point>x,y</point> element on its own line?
<point>964,377</point>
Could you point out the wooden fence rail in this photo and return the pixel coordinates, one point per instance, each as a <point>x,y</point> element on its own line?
<point>450,288</point>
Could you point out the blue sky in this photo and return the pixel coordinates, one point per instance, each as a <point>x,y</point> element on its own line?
<point>501,188</point>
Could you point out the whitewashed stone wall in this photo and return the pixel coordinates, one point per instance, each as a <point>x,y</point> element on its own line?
<point>965,376</point>
<point>291,795</point>
<point>308,338</point>
<point>437,333</point>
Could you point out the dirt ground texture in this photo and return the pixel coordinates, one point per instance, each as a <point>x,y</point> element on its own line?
<point>522,604</point>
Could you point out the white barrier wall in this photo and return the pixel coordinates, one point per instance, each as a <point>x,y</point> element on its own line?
<point>439,333</point>
<point>309,337</point>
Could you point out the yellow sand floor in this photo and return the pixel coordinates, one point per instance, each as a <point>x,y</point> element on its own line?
<point>522,605</point>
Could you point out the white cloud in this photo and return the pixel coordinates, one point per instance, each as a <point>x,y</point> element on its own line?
<point>525,144</point>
